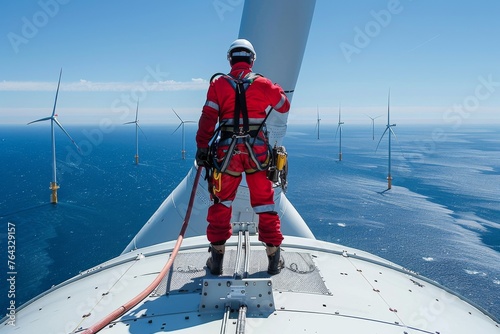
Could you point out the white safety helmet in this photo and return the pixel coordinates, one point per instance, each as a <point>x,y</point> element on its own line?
<point>243,44</point>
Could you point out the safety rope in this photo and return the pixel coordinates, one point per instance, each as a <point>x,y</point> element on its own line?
<point>146,292</point>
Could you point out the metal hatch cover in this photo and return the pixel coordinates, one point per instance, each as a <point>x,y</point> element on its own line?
<point>256,294</point>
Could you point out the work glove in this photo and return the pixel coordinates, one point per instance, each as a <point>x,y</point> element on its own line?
<point>202,156</point>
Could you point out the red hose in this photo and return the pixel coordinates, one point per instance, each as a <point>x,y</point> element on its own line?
<point>137,299</point>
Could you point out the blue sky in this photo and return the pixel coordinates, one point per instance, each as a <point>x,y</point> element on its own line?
<point>440,59</point>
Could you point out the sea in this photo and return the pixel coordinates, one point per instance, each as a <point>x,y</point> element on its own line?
<point>441,218</point>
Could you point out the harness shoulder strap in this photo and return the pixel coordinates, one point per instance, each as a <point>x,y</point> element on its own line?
<point>240,85</point>
<point>216,76</point>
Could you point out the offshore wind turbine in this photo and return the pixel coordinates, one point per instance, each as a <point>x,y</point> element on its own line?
<point>157,290</point>
<point>339,130</point>
<point>373,125</point>
<point>53,119</point>
<point>317,121</point>
<point>389,130</point>
<point>137,127</point>
<point>183,151</point>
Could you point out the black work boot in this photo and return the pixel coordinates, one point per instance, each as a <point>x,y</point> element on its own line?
<point>214,262</point>
<point>275,261</point>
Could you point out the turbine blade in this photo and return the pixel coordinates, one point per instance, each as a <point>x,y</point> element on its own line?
<point>381,138</point>
<point>177,128</point>
<point>137,111</point>
<point>372,118</point>
<point>40,120</point>
<point>141,130</point>
<point>66,132</point>
<point>177,115</point>
<point>338,126</point>
<point>388,105</point>
<point>131,122</point>
<point>400,147</point>
<point>57,93</point>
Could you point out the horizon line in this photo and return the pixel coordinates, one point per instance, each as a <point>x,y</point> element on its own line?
<point>89,86</point>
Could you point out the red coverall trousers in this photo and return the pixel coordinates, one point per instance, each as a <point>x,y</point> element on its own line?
<point>261,198</point>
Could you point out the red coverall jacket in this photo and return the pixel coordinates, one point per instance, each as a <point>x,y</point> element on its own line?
<point>220,106</point>
<point>220,102</point>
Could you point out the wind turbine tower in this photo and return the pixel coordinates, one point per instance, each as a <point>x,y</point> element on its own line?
<point>183,151</point>
<point>339,130</point>
<point>373,125</point>
<point>388,129</point>
<point>318,120</point>
<point>137,127</point>
<point>53,119</point>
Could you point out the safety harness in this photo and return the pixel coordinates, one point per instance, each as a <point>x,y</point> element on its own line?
<point>236,133</point>
<point>249,134</point>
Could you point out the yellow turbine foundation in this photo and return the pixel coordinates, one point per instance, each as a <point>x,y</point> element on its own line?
<point>136,159</point>
<point>340,156</point>
<point>389,182</point>
<point>53,196</point>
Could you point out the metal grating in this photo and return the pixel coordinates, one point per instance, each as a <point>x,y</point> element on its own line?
<point>189,270</point>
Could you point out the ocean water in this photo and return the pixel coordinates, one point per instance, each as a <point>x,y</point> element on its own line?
<point>441,218</point>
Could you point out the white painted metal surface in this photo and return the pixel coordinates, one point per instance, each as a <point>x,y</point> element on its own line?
<point>364,294</point>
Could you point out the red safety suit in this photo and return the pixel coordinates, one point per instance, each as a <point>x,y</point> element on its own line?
<point>219,108</point>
